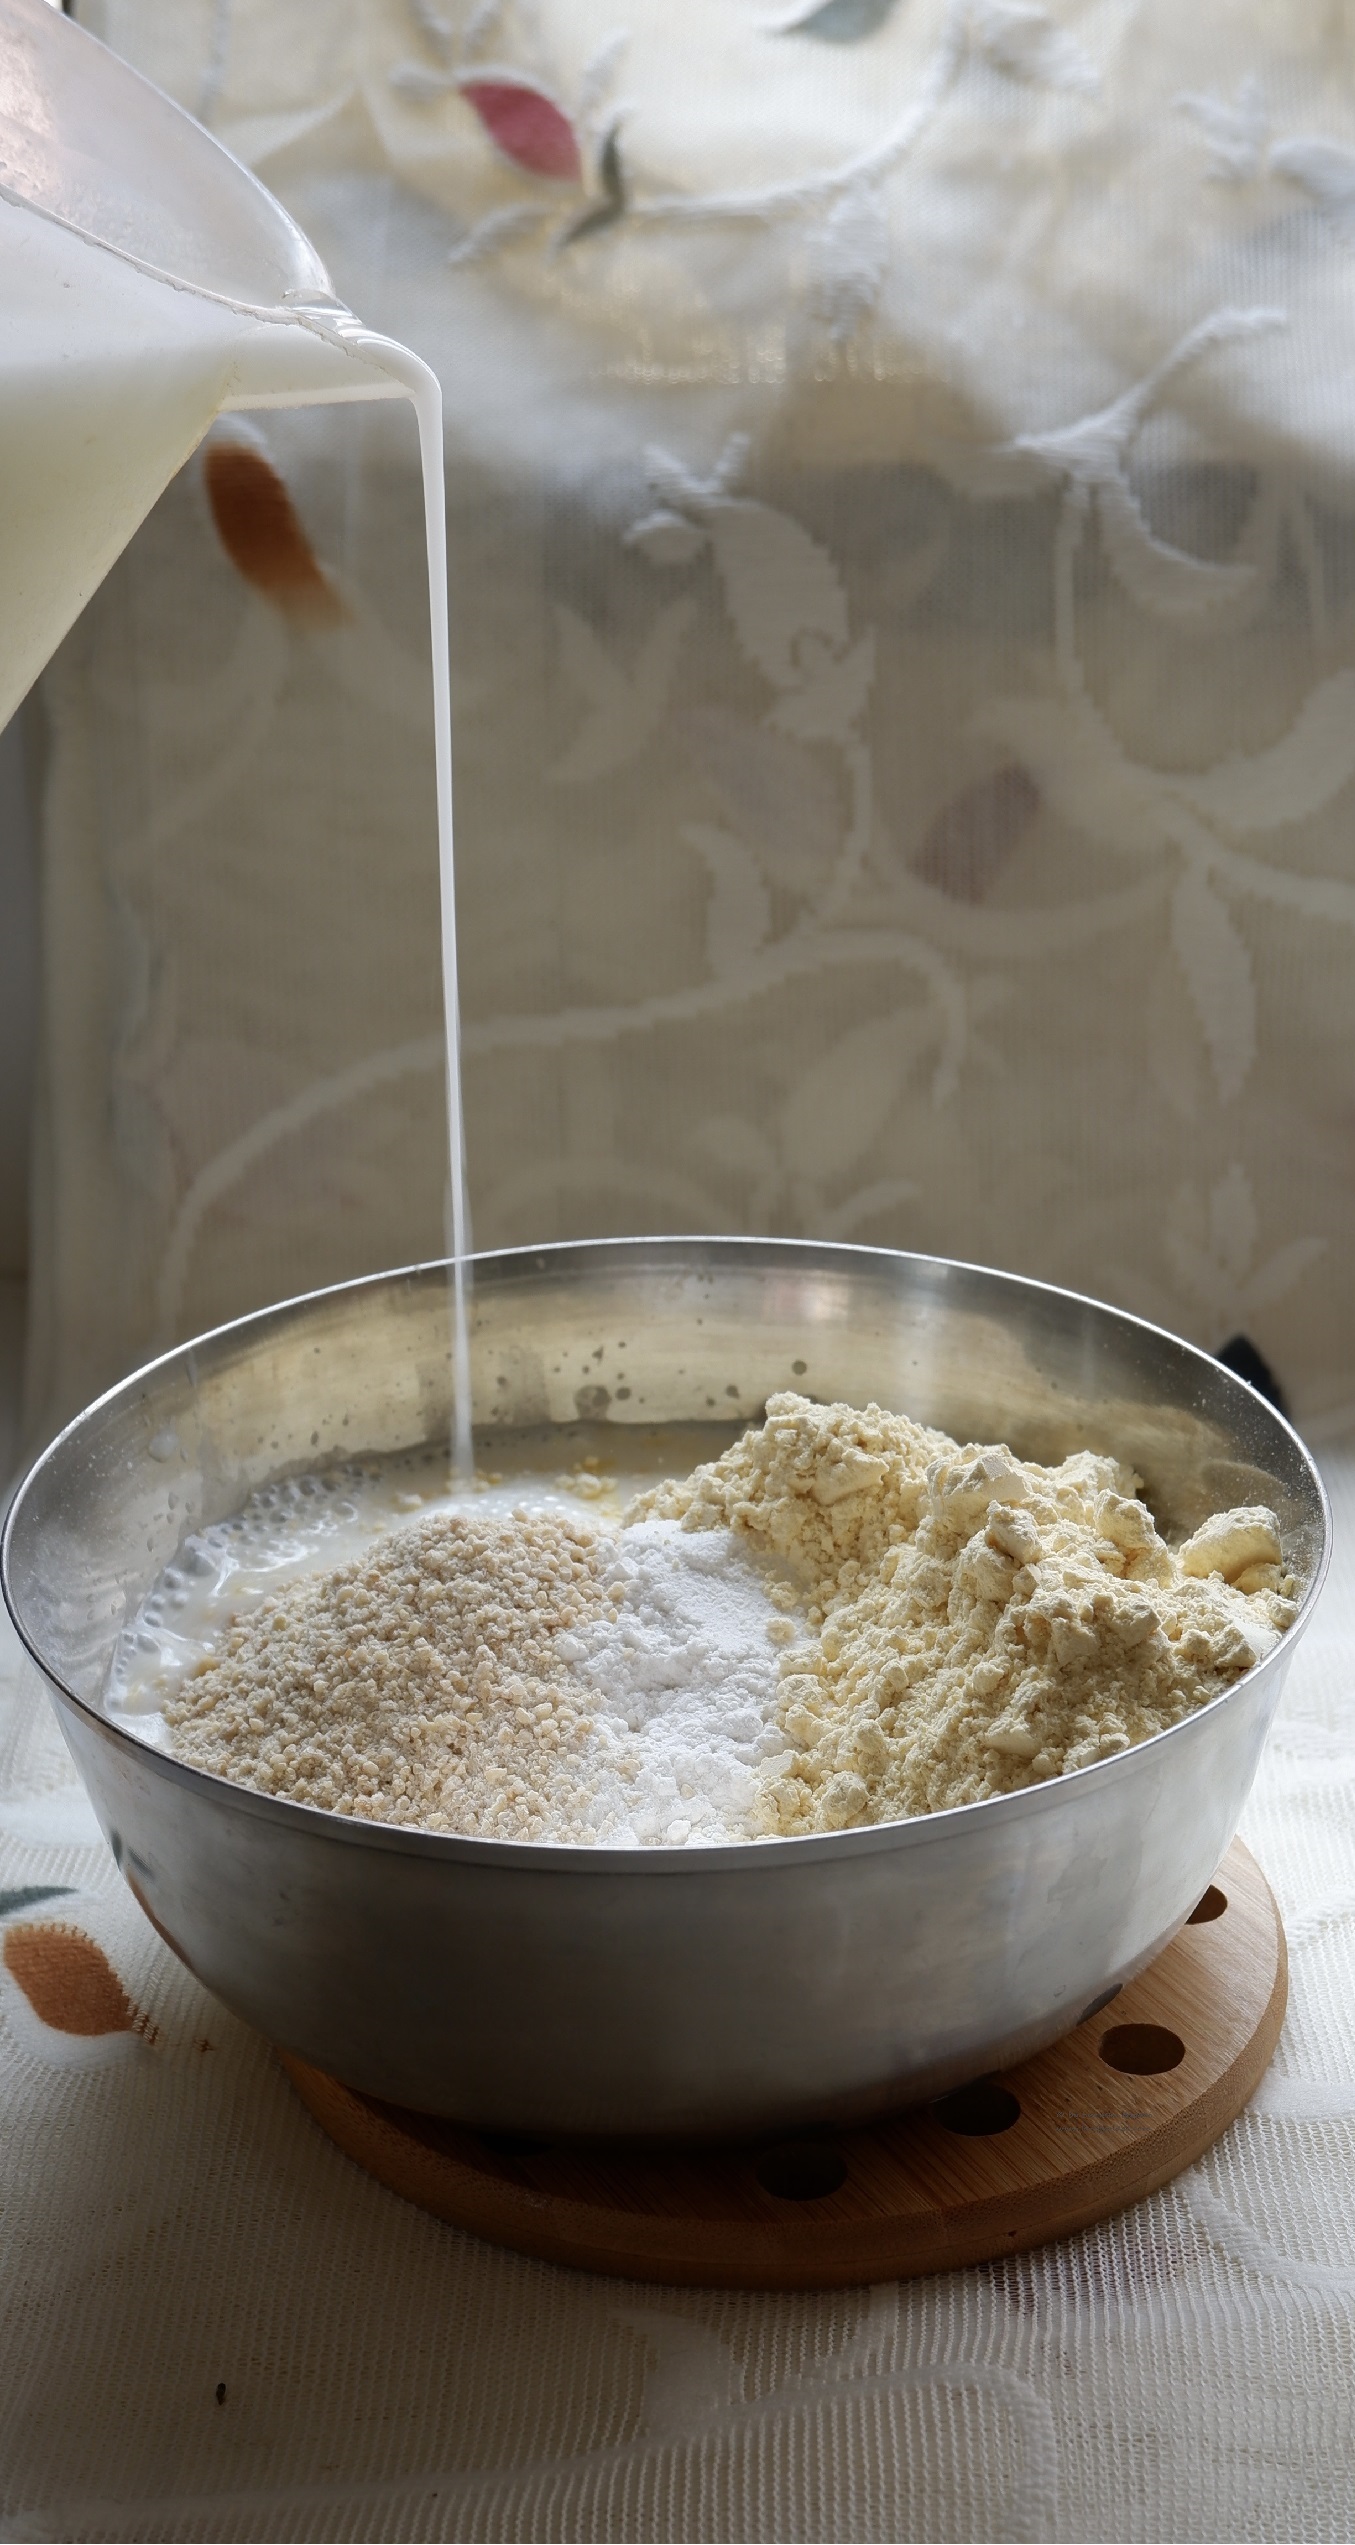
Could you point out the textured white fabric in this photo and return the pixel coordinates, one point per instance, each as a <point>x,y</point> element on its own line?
<point>175,2222</point>
<point>902,495</point>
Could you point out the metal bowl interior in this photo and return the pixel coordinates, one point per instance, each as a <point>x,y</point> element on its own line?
<point>573,1990</point>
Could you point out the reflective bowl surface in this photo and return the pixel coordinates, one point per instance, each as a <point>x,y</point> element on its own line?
<point>701,1992</point>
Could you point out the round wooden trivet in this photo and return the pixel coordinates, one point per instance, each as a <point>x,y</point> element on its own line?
<point>1139,2090</point>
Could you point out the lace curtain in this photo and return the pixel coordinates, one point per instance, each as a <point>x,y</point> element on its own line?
<point>901,472</point>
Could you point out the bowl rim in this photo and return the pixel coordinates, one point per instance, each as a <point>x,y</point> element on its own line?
<point>721,1855</point>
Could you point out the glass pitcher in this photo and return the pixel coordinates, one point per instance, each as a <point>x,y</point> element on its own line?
<point>148,283</point>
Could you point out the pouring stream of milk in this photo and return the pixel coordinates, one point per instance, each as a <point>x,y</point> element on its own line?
<point>110,374</point>
<point>421,386</point>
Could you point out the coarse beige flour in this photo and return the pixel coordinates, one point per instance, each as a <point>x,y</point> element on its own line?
<point>422,1683</point>
<point>846,1618</point>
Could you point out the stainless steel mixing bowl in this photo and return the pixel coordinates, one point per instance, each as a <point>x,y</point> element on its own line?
<point>695,1992</point>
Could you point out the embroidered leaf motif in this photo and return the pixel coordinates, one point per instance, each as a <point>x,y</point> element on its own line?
<point>29,1896</point>
<point>1024,42</point>
<point>1218,971</point>
<point>837,21</point>
<point>526,125</point>
<point>666,538</point>
<point>672,482</point>
<point>1284,1268</point>
<point>779,584</point>
<point>625,701</point>
<point>1156,575</point>
<point>1091,454</point>
<point>1233,1224</point>
<point>1296,777</point>
<point>834,695</point>
<point>611,177</point>
<point>493,231</point>
<point>849,259</point>
<point>69,1981</point>
<point>778,795</point>
<point>433,27</point>
<point>739,912</point>
<point>973,836</point>
<point>735,1144</point>
<point>844,1100</point>
<point>259,527</point>
<point>1236,132</point>
<point>1080,769</point>
<point>1210,1242</point>
<point>419,81</point>
<point>1323,169</point>
<point>598,74</point>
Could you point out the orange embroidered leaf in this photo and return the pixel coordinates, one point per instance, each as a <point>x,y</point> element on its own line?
<point>527,126</point>
<point>261,532</point>
<point>69,1981</point>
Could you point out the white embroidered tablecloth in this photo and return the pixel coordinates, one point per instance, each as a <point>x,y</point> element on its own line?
<point>215,2326</point>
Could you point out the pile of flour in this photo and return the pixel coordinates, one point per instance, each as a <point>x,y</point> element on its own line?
<point>526,1674</point>
<point>846,1619</point>
<point>973,1623</point>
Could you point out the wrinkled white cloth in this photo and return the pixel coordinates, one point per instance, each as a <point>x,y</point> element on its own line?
<point>175,2224</point>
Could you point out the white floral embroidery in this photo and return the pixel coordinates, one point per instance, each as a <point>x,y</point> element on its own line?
<point>788,608</point>
<point>1092,456</point>
<point>626,701</point>
<point>1235,129</point>
<point>1325,171</point>
<point>739,912</point>
<point>1210,1240</point>
<point>848,259</point>
<point>1238,134</point>
<point>1024,42</point>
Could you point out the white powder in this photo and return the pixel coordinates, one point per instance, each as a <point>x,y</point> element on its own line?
<point>684,1673</point>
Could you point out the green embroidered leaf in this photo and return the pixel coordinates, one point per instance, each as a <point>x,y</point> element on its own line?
<point>839,21</point>
<point>611,178</point>
<point>31,1894</point>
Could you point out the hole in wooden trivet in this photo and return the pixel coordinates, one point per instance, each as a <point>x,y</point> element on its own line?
<point>1098,2002</point>
<point>1141,2050</point>
<point>801,2170</point>
<point>507,2143</point>
<point>977,2111</point>
<point>1211,1906</point>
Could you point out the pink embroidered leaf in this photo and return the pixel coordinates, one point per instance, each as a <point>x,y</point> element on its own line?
<point>527,126</point>
<point>973,836</point>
